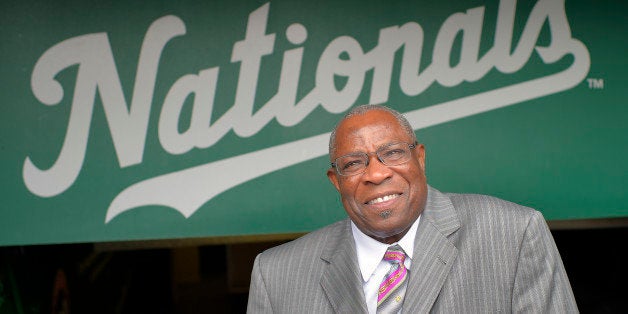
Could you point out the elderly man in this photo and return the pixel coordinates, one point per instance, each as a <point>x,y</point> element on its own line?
<point>406,246</point>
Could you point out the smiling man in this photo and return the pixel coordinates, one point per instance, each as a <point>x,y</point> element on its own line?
<point>382,197</point>
<point>406,246</point>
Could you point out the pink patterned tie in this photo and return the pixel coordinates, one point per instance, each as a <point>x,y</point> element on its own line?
<point>393,288</point>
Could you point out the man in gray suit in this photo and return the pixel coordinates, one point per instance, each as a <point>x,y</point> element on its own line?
<point>406,245</point>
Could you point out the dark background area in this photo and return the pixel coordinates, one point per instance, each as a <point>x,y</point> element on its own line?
<point>77,278</point>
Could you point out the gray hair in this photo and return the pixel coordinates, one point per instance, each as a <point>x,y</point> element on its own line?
<point>361,110</point>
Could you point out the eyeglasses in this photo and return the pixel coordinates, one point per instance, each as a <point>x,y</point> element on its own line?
<point>392,154</point>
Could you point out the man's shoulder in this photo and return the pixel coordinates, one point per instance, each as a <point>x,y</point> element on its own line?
<point>486,201</point>
<point>309,245</point>
<point>470,199</point>
<point>480,206</point>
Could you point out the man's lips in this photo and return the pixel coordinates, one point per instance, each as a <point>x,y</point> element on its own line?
<point>383,198</point>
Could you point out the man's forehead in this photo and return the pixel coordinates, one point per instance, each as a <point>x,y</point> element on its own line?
<point>374,129</point>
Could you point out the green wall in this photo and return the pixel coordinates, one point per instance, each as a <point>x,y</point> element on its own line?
<point>154,119</point>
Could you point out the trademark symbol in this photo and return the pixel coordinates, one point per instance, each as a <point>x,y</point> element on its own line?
<point>595,83</point>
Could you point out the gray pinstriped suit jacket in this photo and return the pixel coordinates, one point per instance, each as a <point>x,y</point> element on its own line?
<point>472,254</point>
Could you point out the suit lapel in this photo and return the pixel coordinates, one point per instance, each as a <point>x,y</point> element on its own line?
<point>433,254</point>
<point>341,280</point>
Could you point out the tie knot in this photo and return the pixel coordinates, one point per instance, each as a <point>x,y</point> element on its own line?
<point>395,254</point>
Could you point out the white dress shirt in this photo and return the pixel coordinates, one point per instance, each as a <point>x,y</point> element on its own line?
<point>370,259</point>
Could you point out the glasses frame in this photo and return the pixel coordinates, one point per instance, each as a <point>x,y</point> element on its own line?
<point>334,164</point>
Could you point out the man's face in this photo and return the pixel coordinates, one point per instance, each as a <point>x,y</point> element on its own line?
<point>383,201</point>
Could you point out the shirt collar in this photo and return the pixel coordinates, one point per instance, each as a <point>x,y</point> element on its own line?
<point>370,251</point>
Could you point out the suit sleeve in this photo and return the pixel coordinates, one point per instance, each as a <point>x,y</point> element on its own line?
<point>259,302</point>
<point>541,283</point>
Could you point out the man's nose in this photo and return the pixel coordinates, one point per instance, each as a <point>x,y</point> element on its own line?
<point>376,172</point>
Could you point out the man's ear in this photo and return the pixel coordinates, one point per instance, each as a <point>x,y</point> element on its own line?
<point>333,178</point>
<point>419,152</point>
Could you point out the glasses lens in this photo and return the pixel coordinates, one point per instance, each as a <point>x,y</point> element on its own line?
<point>394,154</point>
<point>351,164</point>
<point>391,155</point>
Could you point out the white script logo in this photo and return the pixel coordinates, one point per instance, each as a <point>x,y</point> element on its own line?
<point>187,190</point>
